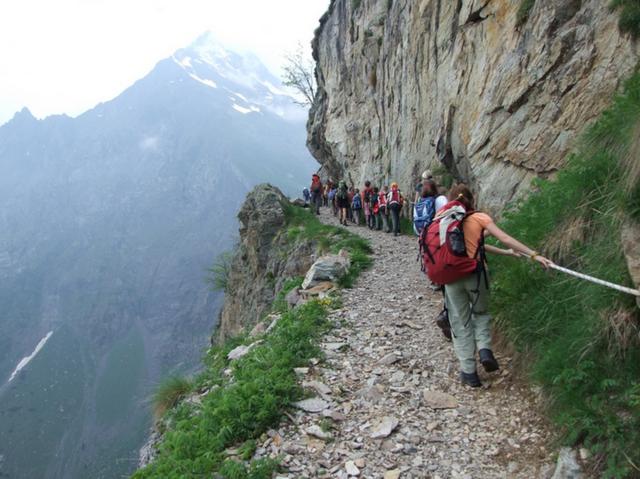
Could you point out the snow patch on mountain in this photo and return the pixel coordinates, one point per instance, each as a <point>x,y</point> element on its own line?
<point>27,359</point>
<point>245,110</point>
<point>204,81</point>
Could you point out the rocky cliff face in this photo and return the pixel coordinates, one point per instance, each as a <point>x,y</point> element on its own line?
<point>264,260</point>
<point>410,84</point>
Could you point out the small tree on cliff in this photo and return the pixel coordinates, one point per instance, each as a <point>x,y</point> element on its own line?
<point>299,74</point>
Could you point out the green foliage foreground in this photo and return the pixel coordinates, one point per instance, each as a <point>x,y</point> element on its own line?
<point>244,404</point>
<point>582,340</point>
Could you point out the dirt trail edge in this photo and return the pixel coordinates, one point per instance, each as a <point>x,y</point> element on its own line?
<point>388,402</point>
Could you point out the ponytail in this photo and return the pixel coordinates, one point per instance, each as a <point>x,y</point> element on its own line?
<point>462,193</point>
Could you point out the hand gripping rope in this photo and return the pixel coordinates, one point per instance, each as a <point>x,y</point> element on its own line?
<point>586,277</point>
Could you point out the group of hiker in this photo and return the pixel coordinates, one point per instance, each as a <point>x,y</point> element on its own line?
<point>452,249</point>
<point>377,208</point>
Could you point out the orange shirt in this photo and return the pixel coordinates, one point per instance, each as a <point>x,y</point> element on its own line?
<point>473,226</point>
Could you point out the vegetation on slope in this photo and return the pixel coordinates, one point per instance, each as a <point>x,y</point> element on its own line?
<point>244,404</point>
<point>581,340</point>
<point>629,15</point>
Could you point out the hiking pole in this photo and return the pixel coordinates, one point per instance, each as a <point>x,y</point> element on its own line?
<point>586,277</point>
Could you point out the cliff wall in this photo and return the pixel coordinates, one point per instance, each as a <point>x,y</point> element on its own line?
<point>405,85</point>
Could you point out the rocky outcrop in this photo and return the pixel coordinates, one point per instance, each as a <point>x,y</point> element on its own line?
<point>631,248</point>
<point>404,85</point>
<point>264,260</point>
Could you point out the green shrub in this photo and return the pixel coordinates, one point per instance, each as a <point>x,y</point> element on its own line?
<point>582,338</point>
<point>170,391</point>
<point>629,16</point>
<point>355,4</point>
<point>218,274</point>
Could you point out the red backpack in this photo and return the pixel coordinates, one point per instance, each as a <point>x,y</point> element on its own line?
<point>447,261</point>
<point>316,184</point>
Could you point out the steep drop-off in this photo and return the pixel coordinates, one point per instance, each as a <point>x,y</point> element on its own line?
<point>264,259</point>
<point>404,85</point>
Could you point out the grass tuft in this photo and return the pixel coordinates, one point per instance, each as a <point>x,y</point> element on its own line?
<point>169,393</point>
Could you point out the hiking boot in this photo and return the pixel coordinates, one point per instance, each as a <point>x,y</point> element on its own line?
<point>442,321</point>
<point>488,361</point>
<point>470,379</point>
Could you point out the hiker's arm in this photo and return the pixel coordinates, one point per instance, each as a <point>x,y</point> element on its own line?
<point>516,245</point>
<point>504,252</point>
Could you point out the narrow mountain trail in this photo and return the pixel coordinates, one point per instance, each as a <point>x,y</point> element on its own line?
<point>388,402</point>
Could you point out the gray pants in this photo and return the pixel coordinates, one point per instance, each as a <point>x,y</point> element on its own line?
<point>468,305</point>
<point>316,201</point>
<point>384,214</point>
<point>357,216</point>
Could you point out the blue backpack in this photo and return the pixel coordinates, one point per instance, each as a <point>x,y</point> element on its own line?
<point>423,213</point>
<point>357,202</point>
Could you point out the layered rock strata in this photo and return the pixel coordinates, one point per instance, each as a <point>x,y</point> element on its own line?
<point>405,85</point>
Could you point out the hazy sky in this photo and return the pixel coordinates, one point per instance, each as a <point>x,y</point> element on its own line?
<point>65,56</point>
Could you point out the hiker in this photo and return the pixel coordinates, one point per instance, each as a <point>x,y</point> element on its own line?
<point>382,206</point>
<point>325,192</point>
<point>341,201</point>
<point>356,207</point>
<point>350,195</point>
<point>306,195</point>
<point>331,196</point>
<point>375,211</point>
<point>426,175</point>
<point>316,192</point>
<point>395,202</point>
<point>441,199</point>
<point>465,276</point>
<point>366,193</point>
<point>425,208</point>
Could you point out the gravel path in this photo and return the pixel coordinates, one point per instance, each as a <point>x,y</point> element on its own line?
<point>388,401</point>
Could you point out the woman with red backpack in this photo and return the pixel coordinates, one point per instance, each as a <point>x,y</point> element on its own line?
<point>317,190</point>
<point>454,257</point>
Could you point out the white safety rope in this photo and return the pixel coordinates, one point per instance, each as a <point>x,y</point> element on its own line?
<point>586,277</point>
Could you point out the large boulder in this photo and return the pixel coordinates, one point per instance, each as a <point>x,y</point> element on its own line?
<point>327,268</point>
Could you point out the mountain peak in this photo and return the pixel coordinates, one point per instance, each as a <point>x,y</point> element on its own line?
<point>248,84</point>
<point>24,114</point>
